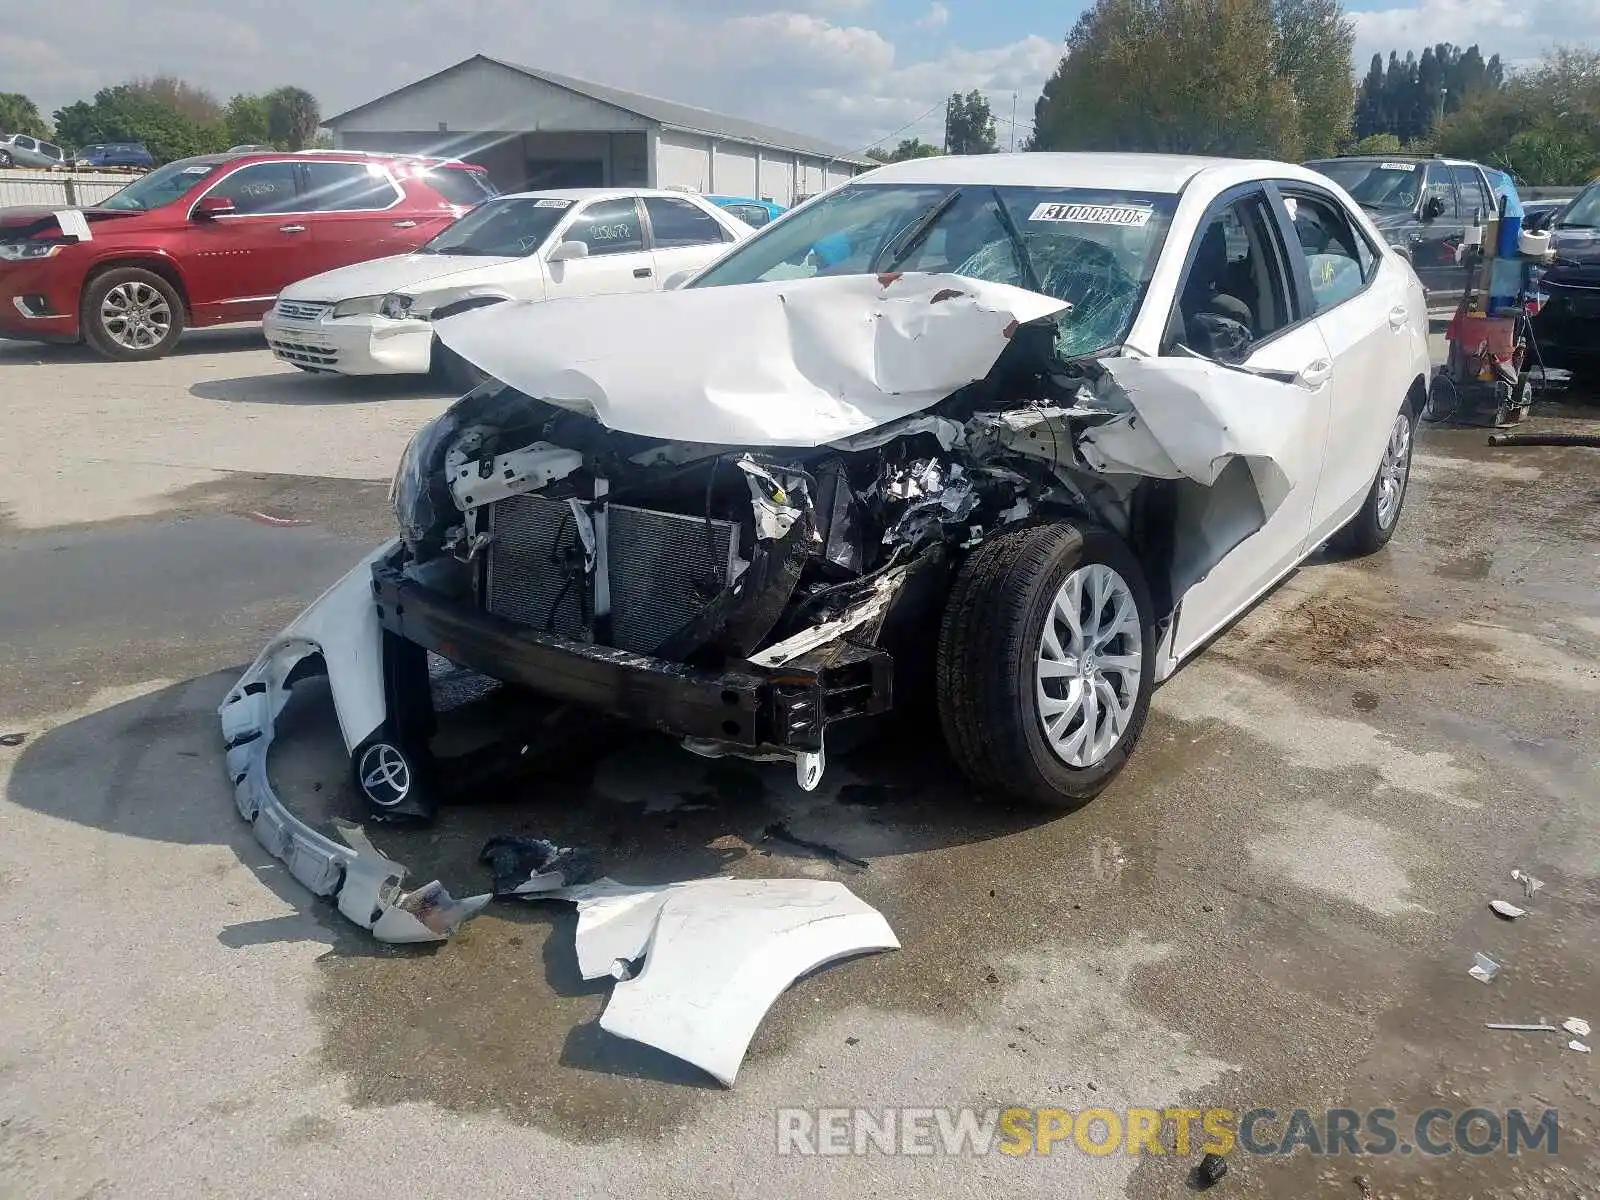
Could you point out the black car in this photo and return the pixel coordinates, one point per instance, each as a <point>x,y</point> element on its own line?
<point>1422,206</point>
<point>1567,328</point>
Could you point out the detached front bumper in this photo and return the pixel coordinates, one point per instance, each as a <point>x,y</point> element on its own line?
<point>746,708</point>
<point>342,628</point>
<point>366,345</point>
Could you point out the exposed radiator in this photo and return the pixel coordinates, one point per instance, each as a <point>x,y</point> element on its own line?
<point>664,568</point>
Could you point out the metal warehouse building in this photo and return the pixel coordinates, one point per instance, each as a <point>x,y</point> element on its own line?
<point>536,129</point>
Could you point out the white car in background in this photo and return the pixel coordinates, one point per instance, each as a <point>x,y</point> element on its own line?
<point>376,318</point>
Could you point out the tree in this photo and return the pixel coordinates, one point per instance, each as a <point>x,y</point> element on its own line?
<point>908,148</point>
<point>129,114</point>
<point>293,117</point>
<point>18,114</point>
<point>1200,76</point>
<point>968,125</point>
<point>1379,143</point>
<point>249,121</point>
<point>1543,125</point>
<point>195,103</point>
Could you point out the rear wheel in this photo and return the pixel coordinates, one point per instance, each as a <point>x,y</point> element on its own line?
<point>1046,662</point>
<point>5,158</point>
<point>1371,528</point>
<point>131,314</point>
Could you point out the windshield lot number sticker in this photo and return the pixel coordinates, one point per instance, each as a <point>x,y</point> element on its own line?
<point>1128,216</point>
<point>552,203</point>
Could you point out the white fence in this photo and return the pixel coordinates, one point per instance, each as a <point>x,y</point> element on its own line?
<point>59,189</point>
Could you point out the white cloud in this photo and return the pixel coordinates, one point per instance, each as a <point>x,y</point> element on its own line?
<point>823,67</point>
<point>938,17</point>
<point>1517,30</point>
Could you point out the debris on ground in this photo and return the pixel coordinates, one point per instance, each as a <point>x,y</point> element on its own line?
<point>527,866</point>
<point>12,739</point>
<point>1212,1168</point>
<point>1362,1182</point>
<point>1576,1026</point>
<point>1519,1028</point>
<point>1483,968</point>
<point>1530,885</point>
<point>1545,439</point>
<point>1504,908</point>
<point>716,954</point>
<point>778,831</point>
<point>372,895</point>
<point>1575,1044</point>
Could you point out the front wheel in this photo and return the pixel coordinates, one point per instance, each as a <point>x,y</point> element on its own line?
<point>5,158</point>
<point>1046,662</point>
<point>131,314</point>
<point>1374,524</point>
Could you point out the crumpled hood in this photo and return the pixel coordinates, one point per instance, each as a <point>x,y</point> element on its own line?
<point>795,363</point>
<point>399,273</point>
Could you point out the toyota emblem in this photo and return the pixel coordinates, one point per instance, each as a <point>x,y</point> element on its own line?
<point>385,775</point>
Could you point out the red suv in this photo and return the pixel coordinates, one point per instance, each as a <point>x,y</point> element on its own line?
<point>213,239</point>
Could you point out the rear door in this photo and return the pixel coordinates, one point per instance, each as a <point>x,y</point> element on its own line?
<point>1251,281</point>
<point>619,258</point>
<point>683,236</point>
<point>236,264</point>
<point>356,212</point>
<point>1357,296</point>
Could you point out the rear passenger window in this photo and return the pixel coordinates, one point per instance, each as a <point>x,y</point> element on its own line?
<point>1475,197</point>
<point>348,187</point>
<point>608,227</point>
<point>261,188</point>
<point>680,223</point>
<point>461,187</point>
<point>1337,257</point>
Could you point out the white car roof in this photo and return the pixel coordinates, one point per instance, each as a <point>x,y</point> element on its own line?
<point>593,193</point>
<point>1160,173</point>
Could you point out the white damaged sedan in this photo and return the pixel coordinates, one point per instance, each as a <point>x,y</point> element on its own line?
<point>1011,435</point>
<point>376,318</point>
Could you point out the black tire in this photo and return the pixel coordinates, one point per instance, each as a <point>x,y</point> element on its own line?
<point>452,371</point>
<point>989,641</point>
<point>138,282</point>
<point>1366,533</point>
<point>5,158</point>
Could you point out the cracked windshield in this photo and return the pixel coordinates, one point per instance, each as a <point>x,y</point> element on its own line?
<point>1095,250</point>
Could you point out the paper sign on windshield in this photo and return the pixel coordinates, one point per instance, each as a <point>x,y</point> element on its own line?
<point>1397,166</point>
<point>552,203</point>
<point>1127,215</point>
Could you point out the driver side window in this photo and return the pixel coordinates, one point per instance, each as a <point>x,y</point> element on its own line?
<point>1234,293</point>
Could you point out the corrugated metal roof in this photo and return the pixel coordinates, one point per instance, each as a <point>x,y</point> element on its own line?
<point>668,113</point>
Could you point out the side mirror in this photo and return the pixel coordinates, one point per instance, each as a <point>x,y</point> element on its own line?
<point>1540,221</point>
<point>1432,208</point>
<point>676,280</point>
<point>567,251</point>
<point>212,207</point>
<point>1220,338</point>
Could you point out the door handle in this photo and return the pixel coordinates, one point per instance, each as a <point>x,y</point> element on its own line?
<point>641,272</point>
<point>1314,374</point>
<point>1397,316</point>
<point>405,224</point>
<point>291,228</point>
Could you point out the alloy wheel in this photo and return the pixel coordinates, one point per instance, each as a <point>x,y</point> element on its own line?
<point>135,315</point>
<point>1393,471</point>
<point>1089,664</point>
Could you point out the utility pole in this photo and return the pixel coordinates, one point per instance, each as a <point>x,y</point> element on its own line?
<point>1013,122</point>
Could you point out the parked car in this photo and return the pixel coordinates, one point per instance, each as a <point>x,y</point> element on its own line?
<point>1422,205</point>
<point>377,317</point>
<point>1030,446</point>
<point>114,154</point>
<point>212,240</point>
<point>1566,329</point>
<point>20,150</point>
<point>754,213</point>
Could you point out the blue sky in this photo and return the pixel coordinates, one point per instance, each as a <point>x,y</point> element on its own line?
<point>852,71</point>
